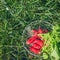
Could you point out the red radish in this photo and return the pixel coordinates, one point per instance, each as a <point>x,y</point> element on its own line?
<point>39,42</point>
<point>36,46</point>
<point>30,40</point>
<point>36,36</point>
<point>40,31</point>
<point>34,50</point>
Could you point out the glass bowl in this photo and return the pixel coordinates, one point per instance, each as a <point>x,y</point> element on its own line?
<point>35,30</point>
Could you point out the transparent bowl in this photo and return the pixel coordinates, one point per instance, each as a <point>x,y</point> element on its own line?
<point>27,33</point>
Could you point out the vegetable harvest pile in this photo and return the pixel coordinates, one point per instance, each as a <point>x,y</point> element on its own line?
<point>36,42</point>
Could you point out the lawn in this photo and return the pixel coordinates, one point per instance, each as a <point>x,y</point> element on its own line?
<point>15,15</point>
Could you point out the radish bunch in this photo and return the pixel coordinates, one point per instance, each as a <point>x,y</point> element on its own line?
<point>36,43</point>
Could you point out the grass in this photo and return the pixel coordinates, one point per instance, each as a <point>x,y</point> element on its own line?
<point>15,15</point>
